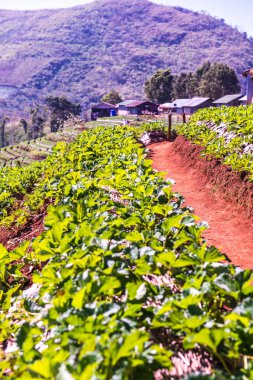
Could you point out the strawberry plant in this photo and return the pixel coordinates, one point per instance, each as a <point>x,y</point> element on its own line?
<point>225,133</point>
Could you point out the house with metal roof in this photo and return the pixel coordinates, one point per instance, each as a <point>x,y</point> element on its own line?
<point>228,101</point>
<point>137,107</point>
<point>248,74</point>
<point>103,110</point>
<point>187,106</point>
<point>194,104</point>
<point>175,106</point>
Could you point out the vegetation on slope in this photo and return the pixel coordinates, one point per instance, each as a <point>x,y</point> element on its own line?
<point>128,284</point>
<point>86,51</point>
<point>226,133</point>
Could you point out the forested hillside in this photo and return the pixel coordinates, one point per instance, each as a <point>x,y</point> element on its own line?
<point>85,51</point>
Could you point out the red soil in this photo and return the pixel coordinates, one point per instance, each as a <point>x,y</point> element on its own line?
<point>12,237</point>
<point>208,187</point>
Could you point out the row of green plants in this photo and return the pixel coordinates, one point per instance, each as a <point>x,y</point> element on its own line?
<point>22,186</point>
<point>225,133</point>
<point>24,190</point>
<point>96,312</point>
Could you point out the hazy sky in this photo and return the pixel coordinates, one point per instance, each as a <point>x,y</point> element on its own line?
<point>235,12</point>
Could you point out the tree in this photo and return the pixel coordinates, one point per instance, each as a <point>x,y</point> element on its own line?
<point>158,88</point>
<point>185,86</point>
<point>112,97</point>
<point>61,109</point>
<point>201,71</point>
<point>23,123</point>
<point>218,80</point>
<point>3,122</point>
<point>37,123</point>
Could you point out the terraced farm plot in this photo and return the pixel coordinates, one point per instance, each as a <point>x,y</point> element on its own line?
<point>124,285</point>
<point>35,150</point>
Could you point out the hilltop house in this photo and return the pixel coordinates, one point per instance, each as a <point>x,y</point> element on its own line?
<point>103,110</point>
<point>187,106</point>
<point>248,74</point>
<point>228,101</point>
<point>195,104</point>
<point>137,107</point>
<point>176,106</point>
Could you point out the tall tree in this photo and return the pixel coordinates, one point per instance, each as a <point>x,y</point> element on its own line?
<point>158,88</point>
<point>3,122</point>
<point>112,97</point>
<point>23,123</point>
<point>217,81</point>
<point>61,109</point>
<point>37,123</point>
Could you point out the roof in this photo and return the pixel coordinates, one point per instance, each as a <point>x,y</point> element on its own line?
<point>178,103</point>
<point>104,105</point>
<point>243,98</point>
<point>228,98</point>
<point>133,103</point>
<point>194,102</point>
<point>137,103</point>
<point>126,102</point>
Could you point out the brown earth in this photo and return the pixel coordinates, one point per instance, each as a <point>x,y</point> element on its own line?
<point>12,237</point>
<point>219,196</point>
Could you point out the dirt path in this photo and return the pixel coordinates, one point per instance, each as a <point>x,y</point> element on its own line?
<point>230,230</point>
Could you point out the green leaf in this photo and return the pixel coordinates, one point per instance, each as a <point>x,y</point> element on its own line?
<point>78,299</point>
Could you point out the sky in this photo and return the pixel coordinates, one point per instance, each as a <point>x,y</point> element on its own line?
<point>235,12</point>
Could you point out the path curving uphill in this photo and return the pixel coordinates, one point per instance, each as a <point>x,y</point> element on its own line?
<point>231,228</point>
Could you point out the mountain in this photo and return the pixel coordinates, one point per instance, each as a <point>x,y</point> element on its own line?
<point>85,51</point>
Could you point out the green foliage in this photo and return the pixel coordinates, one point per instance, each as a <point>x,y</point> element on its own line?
<point>158,88</point>
<point>61,109</point>
<point>226,133</point>
<point>212,80</point>
<point>3,122</point>
<point>114,224</point>
<point>23,123</point>
<point>112,97</point>
<point>185,86</point>
<point>217,81</point>
<point>37,123</point>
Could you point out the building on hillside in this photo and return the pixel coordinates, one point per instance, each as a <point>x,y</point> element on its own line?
<point>228,101</point>
<point>103,110</point>
<point>248,74</point>
<point>194,104</point>
<point>137,107</point>
<point>175,106</point>
<point>243,100</point>
<point>122,107</point>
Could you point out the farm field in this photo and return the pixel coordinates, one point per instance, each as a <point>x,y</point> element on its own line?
<point>38,149</point>
<point>121,283</point>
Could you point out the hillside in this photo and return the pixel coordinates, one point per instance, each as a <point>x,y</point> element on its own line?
<point>85,51</point>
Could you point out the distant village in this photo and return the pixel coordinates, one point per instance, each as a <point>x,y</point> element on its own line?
<point>178,106</point>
